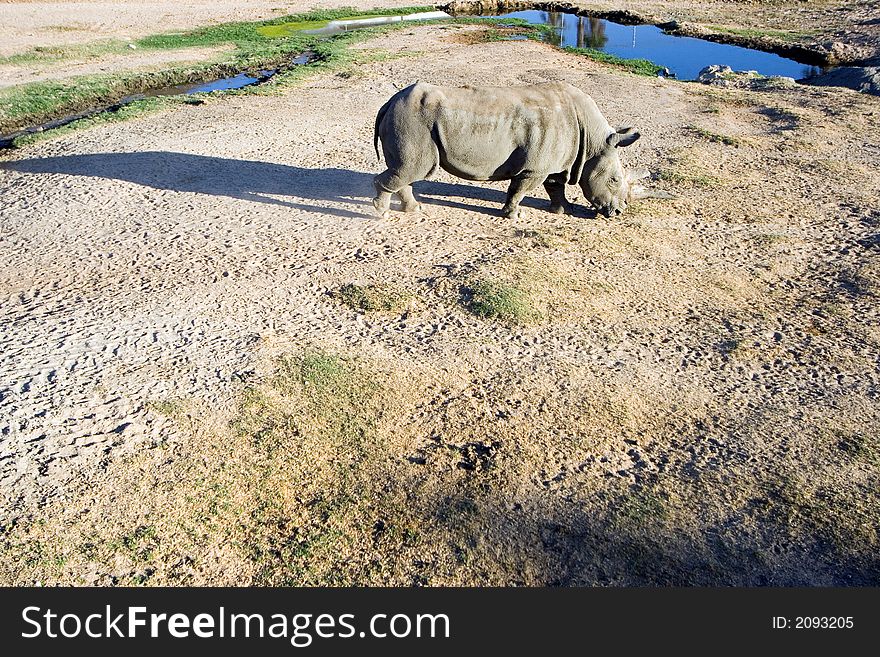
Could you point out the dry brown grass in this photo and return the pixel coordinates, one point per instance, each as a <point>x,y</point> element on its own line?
<point>338,470</point>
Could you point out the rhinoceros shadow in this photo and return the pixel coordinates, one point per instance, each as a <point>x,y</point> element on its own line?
<point>262,182</point>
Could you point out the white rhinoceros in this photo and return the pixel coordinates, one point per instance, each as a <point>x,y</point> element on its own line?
<point>546,133</point>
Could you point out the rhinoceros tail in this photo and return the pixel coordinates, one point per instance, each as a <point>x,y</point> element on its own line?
<point>381,115</point>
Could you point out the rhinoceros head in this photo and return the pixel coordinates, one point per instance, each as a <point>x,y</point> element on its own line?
<point>604,181</point>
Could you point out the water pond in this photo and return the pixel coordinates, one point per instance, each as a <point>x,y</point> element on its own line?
<point>685,57</point>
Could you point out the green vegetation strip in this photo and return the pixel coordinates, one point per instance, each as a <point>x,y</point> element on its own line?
<point>752,33</point>
<point>639,66</point>
<point>39,102</point>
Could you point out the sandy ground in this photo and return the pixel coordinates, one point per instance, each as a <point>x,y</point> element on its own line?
<point>28,24</point>
<point>163,258</point>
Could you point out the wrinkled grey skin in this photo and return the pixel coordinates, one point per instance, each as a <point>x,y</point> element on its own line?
<point>551,134</point>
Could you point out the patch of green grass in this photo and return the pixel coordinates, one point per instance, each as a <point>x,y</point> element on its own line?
<point>716,137</point>
<point>834,309</point>
<point>371,298</point>
<point>640,509</point>
<point>638,66</point>
<point>491,299</point>
<point>132,110</point>
<point>498,35</point>
<point>318,450</point>
<point>321,370</point>
<point>509,29</point>
<point>276,31</point>
<point>752,33</point>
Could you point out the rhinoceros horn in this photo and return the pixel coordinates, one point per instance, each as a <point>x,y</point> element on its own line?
<point>637,191</point>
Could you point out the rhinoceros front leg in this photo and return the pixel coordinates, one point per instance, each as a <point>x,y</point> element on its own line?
<point>519,187</point>
<point>556,191</point>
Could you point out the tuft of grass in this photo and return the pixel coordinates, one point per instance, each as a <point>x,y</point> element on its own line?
<point>689,178</point>
<point>167,407</point>
<point>140,543</point>
<point>371,298</point>
<point>321,370</point>
<point>491,299</point>
<point>859,446</point>
<point>715,137</point>
<point>639,509</point>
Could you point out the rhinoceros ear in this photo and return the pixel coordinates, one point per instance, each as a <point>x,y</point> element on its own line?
<point>623,136</point>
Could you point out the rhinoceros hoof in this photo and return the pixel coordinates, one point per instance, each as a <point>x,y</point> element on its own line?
<point>513,215</point>
<point>558,209</point>
<point>416,207</point>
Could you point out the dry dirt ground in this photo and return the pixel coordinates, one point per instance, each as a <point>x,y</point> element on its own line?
<point>685,394</point>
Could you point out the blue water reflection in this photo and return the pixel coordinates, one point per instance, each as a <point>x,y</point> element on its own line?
<point>684,56</point>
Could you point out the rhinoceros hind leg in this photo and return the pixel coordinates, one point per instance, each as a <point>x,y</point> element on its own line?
<point>556,191</point>
<point>388,183</point>
<point>382,201</point>
<point>408,200</point>
<point>519,187</point>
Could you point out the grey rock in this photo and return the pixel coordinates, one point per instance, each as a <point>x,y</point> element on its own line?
<point>861,78</point>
